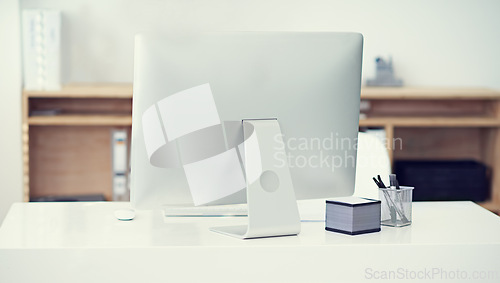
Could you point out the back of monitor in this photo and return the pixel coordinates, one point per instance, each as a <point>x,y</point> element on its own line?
<point>310,82</point>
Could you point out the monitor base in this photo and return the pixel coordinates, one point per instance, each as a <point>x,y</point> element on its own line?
<point>240,232</point>
<point>272,207</point>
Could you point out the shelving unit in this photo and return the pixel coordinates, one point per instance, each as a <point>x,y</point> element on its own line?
<point>69,152</point>
<point>439,123</point>
<point>458,122</point>
<point>81,120</point>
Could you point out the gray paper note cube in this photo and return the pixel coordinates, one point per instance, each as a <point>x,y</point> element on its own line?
<point>352,215</point>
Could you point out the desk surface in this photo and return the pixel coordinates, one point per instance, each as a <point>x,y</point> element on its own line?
<point>73,225</point>
<point>456,234</point>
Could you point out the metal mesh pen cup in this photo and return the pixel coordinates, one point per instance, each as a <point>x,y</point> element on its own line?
<point>396,206</point>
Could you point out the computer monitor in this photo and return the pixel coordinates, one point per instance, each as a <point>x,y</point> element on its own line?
<point>192,91</point>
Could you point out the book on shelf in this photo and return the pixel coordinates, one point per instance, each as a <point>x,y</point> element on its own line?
<point>120,165</point>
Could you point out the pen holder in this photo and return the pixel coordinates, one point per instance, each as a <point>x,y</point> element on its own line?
<point>396,206</point>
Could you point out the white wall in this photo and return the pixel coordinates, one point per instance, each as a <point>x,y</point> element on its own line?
<point>10,106</point>
<point>433,42</point>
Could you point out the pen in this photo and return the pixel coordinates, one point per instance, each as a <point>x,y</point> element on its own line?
<point>395,185</point>
<point>392,205</point>
<point>380,181</point>
<point>392,208</point>
<point>377,182</point>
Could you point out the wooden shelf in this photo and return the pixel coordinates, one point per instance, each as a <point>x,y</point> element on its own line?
<point>82,90</point>
<point>124,90</point>
<point>416,93</point>
<point>89,114</point>
<point>81,120</point>
<point>430,122</point>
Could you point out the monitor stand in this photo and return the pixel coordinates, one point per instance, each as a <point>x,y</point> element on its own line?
<point>272,207</point>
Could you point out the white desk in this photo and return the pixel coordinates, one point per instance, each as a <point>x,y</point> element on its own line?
<point>83,242</point>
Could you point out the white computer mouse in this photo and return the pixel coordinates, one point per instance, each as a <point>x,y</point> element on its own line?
<point>125,214</point>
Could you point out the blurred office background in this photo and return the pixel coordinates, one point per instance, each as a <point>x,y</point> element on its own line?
<point>445,43</point>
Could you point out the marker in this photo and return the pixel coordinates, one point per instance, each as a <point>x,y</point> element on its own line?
<point>393,181</point>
